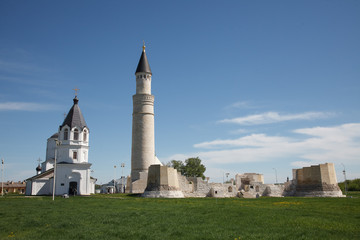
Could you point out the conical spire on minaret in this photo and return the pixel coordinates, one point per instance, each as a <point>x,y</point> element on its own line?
<point>143,65</point>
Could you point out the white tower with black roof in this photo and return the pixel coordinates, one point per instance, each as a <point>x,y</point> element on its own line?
<point>73,168</point>
<point>143,139</point>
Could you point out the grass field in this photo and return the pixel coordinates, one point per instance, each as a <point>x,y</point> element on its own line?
<point>125,217</point>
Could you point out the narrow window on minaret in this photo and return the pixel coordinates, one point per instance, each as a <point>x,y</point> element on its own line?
<point>66,134</point>
<point>76,134</point>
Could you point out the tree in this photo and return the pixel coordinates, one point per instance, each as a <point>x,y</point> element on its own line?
<point>194,168</point>
<point>177,164</point>
<point>191,168</point>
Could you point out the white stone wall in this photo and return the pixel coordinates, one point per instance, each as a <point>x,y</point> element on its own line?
<point>41,187</point>
<point>80,173</point>
<point>48,164</point>
<point>50,149</point>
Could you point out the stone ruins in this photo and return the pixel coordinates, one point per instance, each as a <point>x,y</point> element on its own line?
<point>313,181</point>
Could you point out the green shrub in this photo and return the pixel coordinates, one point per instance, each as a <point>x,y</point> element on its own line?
<point>352,185</point>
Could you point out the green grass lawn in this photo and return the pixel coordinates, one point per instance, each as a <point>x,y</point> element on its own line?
<point>353,194</point>
<point>125,217</point>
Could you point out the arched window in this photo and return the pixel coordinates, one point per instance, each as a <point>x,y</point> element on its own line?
<point>66,134</point>
<point>85,135</point>
<point>76,134</point>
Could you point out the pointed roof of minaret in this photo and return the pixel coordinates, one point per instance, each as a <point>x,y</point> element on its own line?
<point>74,117</point>
<point>143,65</point>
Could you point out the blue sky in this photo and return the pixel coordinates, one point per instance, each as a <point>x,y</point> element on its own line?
<point>248,86</point>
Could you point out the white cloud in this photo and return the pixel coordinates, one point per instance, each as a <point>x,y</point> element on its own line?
<point>238,131</point>
<point>273,117</point>
<point>26,106</point>
<point>253,140</point>
<point>338,144</point>
<point>301,164</point>
<point>241,104</point>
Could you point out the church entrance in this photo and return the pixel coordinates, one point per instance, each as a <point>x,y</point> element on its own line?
<point>72,188</point>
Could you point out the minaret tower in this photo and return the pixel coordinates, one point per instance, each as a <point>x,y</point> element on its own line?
<point>143,140</point>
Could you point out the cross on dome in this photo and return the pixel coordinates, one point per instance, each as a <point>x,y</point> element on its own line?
<point>76,91</point>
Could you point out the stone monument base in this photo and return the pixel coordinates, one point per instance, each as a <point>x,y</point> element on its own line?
<point>163,194</point>
<point>162,182</point>
<point>320,194</point>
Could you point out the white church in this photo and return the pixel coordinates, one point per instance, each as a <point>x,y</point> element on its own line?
<point>67,157</point>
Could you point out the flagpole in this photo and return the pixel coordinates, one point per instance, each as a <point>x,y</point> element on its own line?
<point>2,177</point>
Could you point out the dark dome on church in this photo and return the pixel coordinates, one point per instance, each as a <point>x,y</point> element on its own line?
<point>38,168</point>
<point>74,117</point>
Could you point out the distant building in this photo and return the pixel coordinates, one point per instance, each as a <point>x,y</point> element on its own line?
<point>110,187</point>
<point>13,187</point>
<point>70,146</point>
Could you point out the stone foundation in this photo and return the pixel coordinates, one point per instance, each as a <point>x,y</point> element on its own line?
<point>162,182</point>
<point>163,194</point>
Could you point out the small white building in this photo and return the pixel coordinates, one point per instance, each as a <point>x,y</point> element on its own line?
<point>119,186</point>
<point>69,147</point>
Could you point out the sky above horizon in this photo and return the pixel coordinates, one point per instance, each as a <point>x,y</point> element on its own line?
<point>247,86</point>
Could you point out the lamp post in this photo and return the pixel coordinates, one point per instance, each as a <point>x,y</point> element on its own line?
<point>122,177</point>
<point>58,143</point>
<point>275,175</point>
<point>344,172</point>
<point>2,177</point>
<point>114,178</point>
<point>227,177</point>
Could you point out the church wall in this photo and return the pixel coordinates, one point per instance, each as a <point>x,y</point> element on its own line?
<point>50,149</point>
<point>65,154</point>
<point>41,187</point>
<point>28,190</point>
<point>48,164</point>
<point>67,173</point>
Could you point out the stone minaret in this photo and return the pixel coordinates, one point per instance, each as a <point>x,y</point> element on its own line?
<point>143,140</point>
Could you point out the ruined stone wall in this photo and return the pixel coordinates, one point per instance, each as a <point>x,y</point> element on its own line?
<point>139,185</point>
<point>316,174</point>
<point>309,175</point>
<point>162,178</point>
<point>315,181</point>
<point>162,182</point>
<point>185,185</point>
<point>223,190</point>
<point>328,174</point>
<point>200,187</point>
